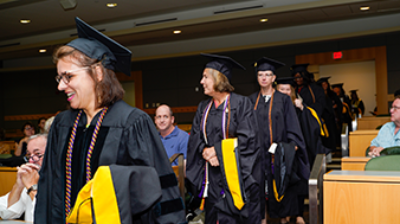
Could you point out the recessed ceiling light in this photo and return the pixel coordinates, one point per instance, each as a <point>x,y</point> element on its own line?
<point>177,31</point>
<point>42,50</point>
<point>263,20</point>
<point>111,5</point>
<point>364,8</point>
<point>25,21</point>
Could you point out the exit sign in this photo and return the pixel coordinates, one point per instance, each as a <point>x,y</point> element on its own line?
<point>337,55</point>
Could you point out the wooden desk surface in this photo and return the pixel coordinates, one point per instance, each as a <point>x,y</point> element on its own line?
<point>7,169</point>
<point>8,176</point>
<point>370,197</point>
<point>365,132</point>
<point>354,163</point>
<point>357,176</point>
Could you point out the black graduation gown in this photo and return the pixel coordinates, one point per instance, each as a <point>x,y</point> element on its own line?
<point>358,107</point>
<point>242,126</point>
<point>312,134</point>
<point>127,137</point>
<point>285,128</point>
<point>337,108</point>
<point>328,117</point>
<point>314,98</point>
<point>347,111</point>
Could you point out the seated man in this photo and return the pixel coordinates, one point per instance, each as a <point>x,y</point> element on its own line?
<point>22,196</point>
<point>174,139</point>
<point>388,135</point>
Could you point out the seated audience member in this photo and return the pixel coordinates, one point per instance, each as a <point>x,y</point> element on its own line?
<point>22,196</point>
<point>174,139</point>
<point>41,123</point>
<point>388,135</point>
<point>20,148</point>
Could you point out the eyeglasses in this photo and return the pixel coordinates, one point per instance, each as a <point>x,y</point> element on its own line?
<point>265,75</point>
<point>66,77</point>
<point>28,128</point>
<point>394,108</point>
<point>34,157</point>
<point>297,78</point>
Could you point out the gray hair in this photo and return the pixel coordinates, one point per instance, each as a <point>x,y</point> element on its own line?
<point>44,136</point>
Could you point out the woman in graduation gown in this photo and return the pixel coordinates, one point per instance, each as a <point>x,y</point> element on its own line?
<point>224,116</point>
<point>356,104</point>
<point>312,130</point>
<point>277,122</point>
<point>332,103</point>
<point>309,120</point>
<point>101,130</point>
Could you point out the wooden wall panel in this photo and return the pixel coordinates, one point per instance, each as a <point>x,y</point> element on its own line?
<point>363,54</point>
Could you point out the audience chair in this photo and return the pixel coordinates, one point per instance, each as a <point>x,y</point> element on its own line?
<point>384,163</point>
<point>391,151</point>
<point>6,147</point>
<point>179,172</point>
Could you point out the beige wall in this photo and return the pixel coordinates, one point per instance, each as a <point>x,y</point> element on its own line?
<point>359,75</point>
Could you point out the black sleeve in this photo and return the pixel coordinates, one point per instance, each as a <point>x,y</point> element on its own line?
<point>195,162</point>
<point>319,104</point>
<point>44,211</point>
<point>146,149</point>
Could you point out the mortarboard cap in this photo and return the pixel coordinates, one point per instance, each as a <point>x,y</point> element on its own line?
<point>98,46</point>
<point>323,79</point>
<point>265,64</point>
<point>354,90</point>
<point>285,80</point>
<point>299,68</point>
<point>338,85</point>
<point>222,64</point>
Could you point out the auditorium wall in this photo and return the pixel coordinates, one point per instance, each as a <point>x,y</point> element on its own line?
<point>175,81</point>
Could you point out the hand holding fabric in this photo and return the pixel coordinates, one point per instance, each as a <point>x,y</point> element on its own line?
<point>210,155</point>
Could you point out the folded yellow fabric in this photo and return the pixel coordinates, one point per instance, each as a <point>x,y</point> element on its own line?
<point>232,171</point>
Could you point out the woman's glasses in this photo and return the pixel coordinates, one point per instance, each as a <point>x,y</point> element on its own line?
<point>66,77</point>
<point>34,157</point>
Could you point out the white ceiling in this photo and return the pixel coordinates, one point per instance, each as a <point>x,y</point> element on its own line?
<point>52,25</point>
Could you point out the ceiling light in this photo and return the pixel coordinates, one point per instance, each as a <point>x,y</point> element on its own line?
<point>42,50</point>
<point>364,8</point>
<point>263,20</point>
<point>25,21</point>
<point>111,5</point>
<point>177,31</point>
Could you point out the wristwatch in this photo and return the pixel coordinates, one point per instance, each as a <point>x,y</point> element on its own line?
<point>33,188</point>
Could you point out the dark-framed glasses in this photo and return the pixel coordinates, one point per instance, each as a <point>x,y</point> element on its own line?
<point>34,157</point>
<point>66,77</point>
<point>394,108</point>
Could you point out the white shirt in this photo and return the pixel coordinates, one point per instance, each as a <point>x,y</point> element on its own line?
<point>25,204</point>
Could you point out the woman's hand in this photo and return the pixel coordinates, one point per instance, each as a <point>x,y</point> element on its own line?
<point>299,104</point>
<point>210,155</point>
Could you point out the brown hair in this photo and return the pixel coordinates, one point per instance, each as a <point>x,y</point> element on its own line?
<point>108,90</point>
<point>221,82</point>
